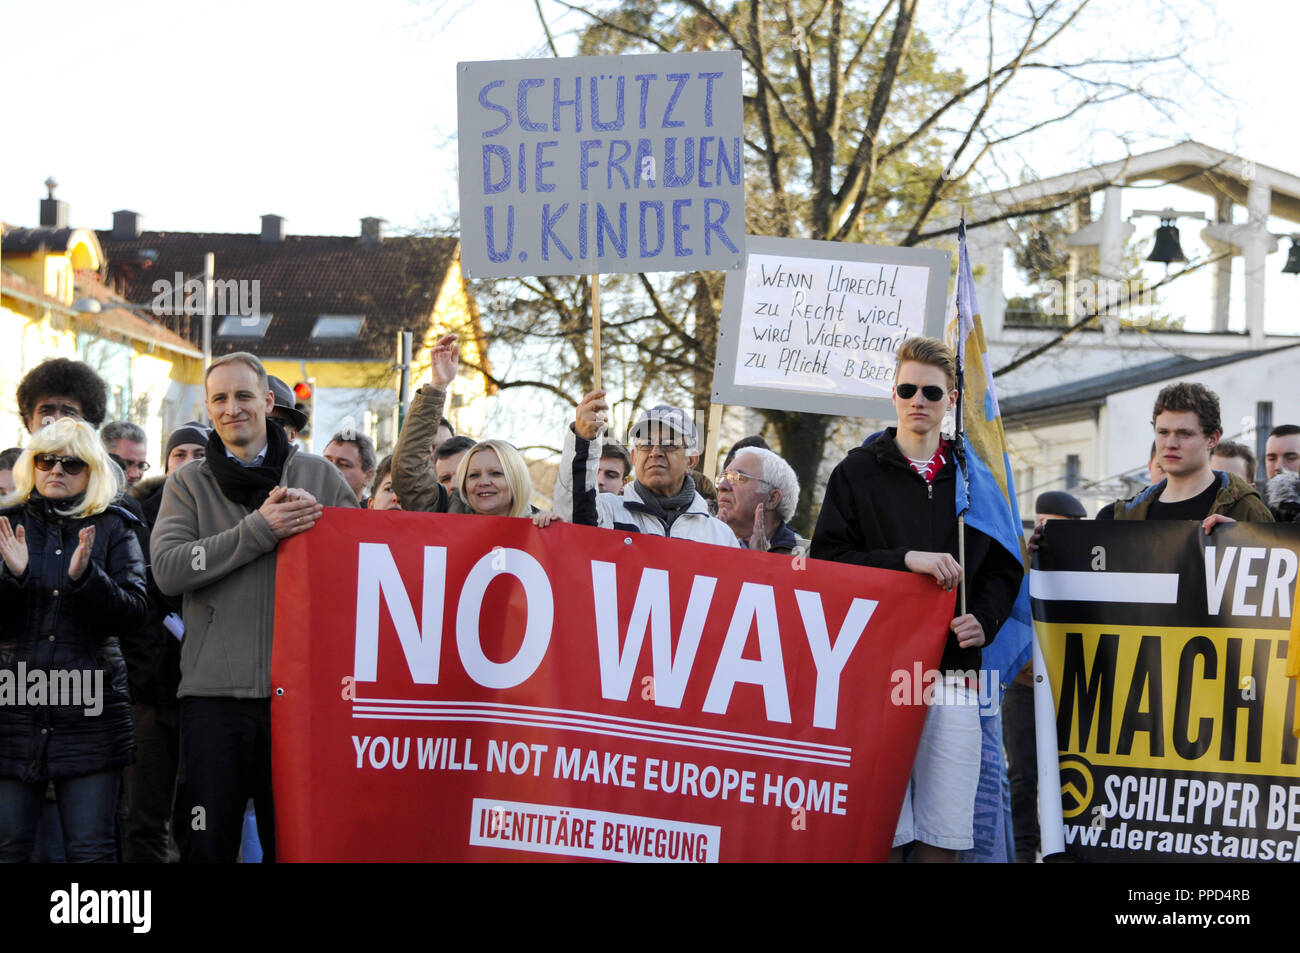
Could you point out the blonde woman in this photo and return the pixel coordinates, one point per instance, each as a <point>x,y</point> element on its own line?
<point>492,480</point>
<point>72,580</point>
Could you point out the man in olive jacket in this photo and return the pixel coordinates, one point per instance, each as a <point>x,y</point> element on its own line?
<point>215,542</point>
<point>1187,429</point>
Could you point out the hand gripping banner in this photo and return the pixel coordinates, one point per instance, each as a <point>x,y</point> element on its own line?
<point>473,688</point>
<point>1166,650</point>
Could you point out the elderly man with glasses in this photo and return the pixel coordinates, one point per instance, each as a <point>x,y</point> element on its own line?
<point>661,498</point>
<point>757,493</point>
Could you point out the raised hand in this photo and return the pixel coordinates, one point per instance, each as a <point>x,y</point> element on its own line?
<point>444,360</point>
<point>13,546</point>
<point>81,556</point>
<point>592,415</point>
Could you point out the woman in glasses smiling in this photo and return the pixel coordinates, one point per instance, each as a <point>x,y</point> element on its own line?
<point>72,579</point>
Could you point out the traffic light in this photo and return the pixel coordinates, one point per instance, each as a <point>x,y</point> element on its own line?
<point>304,393</point>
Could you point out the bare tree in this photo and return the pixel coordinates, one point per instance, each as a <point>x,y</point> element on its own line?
<point>859,131</point>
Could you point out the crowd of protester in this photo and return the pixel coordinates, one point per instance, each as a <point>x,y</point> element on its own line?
<point>164,585</point>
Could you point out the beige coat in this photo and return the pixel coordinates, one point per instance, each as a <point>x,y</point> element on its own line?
<point>414,480</point>
<point>221,556</point>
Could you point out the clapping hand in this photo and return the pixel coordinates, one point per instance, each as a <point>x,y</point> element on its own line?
<point>758,538</point>
<point>290,511</point>
<point>81,556</point>
<point>13,547</point>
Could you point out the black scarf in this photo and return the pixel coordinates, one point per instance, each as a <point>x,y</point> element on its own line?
<point>52,510</point>
<point>249,486</point>
<point>667,508</point>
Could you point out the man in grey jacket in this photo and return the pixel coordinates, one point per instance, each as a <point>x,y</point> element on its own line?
<point>215,542</point>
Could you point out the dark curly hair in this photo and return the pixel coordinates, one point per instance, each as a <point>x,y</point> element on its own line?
<point>60,376</point>
<point>1188,396</point>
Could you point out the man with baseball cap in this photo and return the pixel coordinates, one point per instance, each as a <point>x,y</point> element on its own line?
<point>661,499</point>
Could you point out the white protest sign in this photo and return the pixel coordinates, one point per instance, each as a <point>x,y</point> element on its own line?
<point>597,164</point>
<point>814,326</point>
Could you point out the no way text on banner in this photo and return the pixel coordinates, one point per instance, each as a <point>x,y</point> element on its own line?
<point>473,688</point>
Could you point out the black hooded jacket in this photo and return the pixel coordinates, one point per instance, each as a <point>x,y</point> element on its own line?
<point>877,509</point>
<point>153,654</point>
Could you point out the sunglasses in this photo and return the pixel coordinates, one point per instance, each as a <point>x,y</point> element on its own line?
<point>933,392</point>
<point>71,465</point>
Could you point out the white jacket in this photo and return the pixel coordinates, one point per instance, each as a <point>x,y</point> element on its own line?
<point>627,511</point>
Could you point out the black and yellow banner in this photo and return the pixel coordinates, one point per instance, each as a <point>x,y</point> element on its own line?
<point>1167,653</point>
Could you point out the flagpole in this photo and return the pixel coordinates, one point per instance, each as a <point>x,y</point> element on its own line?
<point>961,449</point>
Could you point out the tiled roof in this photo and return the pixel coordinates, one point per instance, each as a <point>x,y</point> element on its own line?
<point>30,240</point>
<point>22,285</point>
<point>394,283</point>
<point>113,318</point>
<point>126,322</point>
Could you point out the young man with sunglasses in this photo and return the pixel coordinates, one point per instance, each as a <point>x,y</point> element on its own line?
<point>661,499</point>
<point>891,504</point>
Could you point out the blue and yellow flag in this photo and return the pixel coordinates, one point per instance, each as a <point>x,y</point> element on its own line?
<point>987,493</point>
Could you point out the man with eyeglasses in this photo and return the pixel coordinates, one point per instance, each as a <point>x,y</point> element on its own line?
<point>127,444</point>
<point>892,504</point>
<point>661,499</point>
<point>757,493</point>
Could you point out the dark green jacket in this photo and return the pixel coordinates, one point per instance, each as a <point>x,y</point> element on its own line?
<point>1236,500</point>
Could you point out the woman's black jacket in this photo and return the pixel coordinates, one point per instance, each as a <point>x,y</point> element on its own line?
<point>66,635</point>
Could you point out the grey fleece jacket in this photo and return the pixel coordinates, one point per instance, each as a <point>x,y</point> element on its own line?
<point>221,556</point>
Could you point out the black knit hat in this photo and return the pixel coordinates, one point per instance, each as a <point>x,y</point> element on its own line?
<point>192,432</point>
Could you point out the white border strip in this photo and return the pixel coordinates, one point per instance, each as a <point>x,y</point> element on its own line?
<point>1155,588</point>
<point>591,730</point>
<point>421,703</point>
<point>791,751</point>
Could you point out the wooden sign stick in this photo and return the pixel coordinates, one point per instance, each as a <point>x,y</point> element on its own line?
<point>595,332</point>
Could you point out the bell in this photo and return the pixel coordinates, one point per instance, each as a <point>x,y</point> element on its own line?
<point>1167,247</point>
<point>1292,266</point>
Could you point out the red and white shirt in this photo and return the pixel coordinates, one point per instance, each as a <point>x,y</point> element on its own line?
<point>929,469</point>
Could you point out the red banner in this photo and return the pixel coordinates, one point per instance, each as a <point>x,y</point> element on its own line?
<point>473,688</point>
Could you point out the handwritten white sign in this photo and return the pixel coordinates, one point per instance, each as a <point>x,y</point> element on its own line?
<point>812,324</point>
